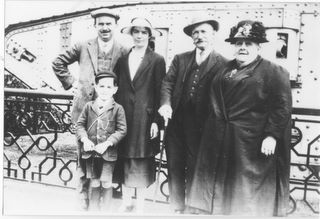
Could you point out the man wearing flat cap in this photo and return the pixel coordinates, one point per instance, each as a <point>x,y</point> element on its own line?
<point>94,56</point>
<point>184,98</point>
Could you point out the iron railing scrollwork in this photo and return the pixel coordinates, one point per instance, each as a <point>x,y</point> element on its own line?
<point>32,122</point>
<point>36,124</point>
<point>308,181</point>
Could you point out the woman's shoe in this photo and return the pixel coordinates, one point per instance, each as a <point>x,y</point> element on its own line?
<point>125,208</point>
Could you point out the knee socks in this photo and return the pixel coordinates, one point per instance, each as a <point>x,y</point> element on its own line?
<point>94,204</point>
<point>106,199</point>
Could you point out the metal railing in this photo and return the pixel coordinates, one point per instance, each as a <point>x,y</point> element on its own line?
<point>39,145</point>
<point>32,122</point>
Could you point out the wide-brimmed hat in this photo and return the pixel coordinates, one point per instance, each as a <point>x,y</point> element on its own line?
<point>104,12</point>
<point>200,20</point>
<point>248,30</point>
<point>141,22</point>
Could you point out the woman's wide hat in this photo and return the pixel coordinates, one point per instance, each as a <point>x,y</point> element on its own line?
<point>200,20</point>
<point>248,30</point>
<point>141,22</point>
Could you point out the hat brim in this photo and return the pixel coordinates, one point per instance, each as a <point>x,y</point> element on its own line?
<point>154,32</point>
<point>256,40</point>
<point>116,17</point>
<point>188,29</point>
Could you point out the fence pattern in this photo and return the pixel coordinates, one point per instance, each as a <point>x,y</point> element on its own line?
<point>39,146</point>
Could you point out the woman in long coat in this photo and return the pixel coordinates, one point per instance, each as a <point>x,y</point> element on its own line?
<point>244,159</point>
<point>140,73</point>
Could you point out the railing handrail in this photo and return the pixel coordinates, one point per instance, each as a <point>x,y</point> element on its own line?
<point>306,111</point>
<point>38,93</point>
<point>59,95</point>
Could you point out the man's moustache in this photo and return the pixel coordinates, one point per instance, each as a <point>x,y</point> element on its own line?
<point>243,52</point>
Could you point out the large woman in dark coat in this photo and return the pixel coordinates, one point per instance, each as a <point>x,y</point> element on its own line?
<point>243,163</point>
<point>140,73</point>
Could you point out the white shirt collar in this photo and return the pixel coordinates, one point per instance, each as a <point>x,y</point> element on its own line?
<point>204,55</point>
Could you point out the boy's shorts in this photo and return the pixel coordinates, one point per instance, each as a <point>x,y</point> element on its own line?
<point>98,168</point>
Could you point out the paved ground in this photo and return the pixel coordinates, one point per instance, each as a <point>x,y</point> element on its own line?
<point>25,198</point>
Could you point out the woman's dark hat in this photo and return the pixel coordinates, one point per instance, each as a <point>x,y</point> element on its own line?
<point>248,30</point>
<point>104,12</point>
<point>200,20</point>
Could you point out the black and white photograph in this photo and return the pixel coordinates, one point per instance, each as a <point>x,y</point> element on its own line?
<point>161,108</point>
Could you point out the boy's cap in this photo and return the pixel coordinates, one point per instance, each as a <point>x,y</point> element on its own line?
<point>106,74</point>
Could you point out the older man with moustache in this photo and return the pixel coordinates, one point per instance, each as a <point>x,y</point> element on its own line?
<point>184,98</point>
<point>94,56</point>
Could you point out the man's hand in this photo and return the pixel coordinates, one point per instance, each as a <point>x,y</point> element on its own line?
<point>87,144</point>
<point>268,145</point>
<point>166,112</point>
<point>102,147</point>
<point>154,130</point>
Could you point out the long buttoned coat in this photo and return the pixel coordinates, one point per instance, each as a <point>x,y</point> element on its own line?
<point>140,100</point>
<point>172,85</point>
<point>232,176</point>
<point>86,54</point>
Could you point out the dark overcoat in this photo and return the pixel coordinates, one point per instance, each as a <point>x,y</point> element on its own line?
<point>172,85</point>
<point>232,176</point>
<point>140,100</point>
<point>86,54</point>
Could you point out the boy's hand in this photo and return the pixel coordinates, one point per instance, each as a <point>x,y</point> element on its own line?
<point>87,144</point>
<point>102,147</point>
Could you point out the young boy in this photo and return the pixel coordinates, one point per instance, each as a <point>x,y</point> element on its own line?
<point>100,127</point>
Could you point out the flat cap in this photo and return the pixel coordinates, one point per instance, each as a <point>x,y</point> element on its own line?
<point>105,74</point>
<point>104,12</point>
